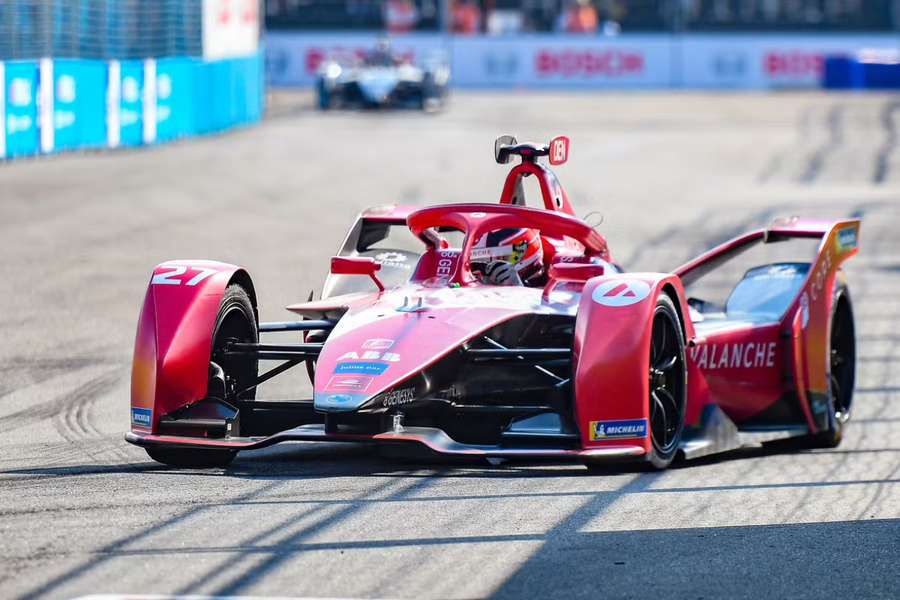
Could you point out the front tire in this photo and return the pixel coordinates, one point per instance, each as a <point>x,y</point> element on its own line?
<point>668,384</point>
<point>667,397</point>
<point>235,320</point>
<point>324,96</point>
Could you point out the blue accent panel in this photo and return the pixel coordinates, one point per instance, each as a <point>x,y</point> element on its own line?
<point>368,368</point>
<point>338,402</point>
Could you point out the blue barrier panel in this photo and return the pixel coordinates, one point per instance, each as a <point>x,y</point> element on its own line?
<point>222,100</point>
<point>193,97</point>
<point>252,85</point>
<point>227,93</point>
<point>131,105</point>
<point>79,104</point>
<point>175,89</point>
<point>22,134</point>
<point>855,73</point>
<point>882,76</point>
<point>203,97</point>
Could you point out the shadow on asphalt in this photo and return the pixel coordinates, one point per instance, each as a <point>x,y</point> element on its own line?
<point>568,556</point>
<point>317,460</point>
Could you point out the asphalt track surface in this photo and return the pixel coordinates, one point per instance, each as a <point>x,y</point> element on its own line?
<point>83,512</point>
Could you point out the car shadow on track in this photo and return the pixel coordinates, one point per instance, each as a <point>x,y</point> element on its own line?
<point>317,460</point>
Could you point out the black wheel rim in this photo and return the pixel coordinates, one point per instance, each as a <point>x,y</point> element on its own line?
<point>667,379</point>
<point>240,373</point>
<point>842,361</point>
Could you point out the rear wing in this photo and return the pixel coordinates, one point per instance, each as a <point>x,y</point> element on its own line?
<point>779,229</point>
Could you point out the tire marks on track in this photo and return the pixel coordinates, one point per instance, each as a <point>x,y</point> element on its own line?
<point>18,372</point>
<point>50,408</point>
<point>882,162</point>
<point>74,421</point>
<point>816,162</point>
<point>70,412</point>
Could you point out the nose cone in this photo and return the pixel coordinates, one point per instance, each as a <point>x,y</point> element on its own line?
<point>376,349</point>
<point>378,85</point>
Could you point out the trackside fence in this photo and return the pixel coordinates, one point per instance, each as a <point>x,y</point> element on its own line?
<point>54,105</point>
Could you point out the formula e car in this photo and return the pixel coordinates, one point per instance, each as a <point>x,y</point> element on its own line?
<point>381,79</point>
<point>409,347</point>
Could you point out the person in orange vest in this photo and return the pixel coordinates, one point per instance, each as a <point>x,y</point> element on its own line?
<point>581,17</point>
<point>466,17</point>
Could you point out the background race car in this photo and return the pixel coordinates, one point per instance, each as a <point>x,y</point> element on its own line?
<point>381,79</point>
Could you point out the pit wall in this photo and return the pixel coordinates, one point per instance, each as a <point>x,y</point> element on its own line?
<point>91,104</point>
<point>627,61</point>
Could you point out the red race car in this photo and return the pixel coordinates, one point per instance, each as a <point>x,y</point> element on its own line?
<point>506,331</point>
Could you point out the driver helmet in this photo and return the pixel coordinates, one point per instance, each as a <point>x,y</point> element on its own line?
<point>520,247</point>
<point>381,55</point>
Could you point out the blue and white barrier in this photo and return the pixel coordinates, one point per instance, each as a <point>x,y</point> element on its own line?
<point>556,61</point>
<point>56,105</point>
<point>867,69</point>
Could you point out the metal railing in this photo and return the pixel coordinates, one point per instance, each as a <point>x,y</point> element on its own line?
<point>100,29</point>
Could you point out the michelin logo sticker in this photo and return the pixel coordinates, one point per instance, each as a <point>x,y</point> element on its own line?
<point>142,417</point>
<point>618,430</point>
<point>846,238</point>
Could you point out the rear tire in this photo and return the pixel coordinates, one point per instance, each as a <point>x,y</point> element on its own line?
<point>842,366</point>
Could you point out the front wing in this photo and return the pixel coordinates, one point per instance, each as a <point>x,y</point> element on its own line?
<point>429,438</point>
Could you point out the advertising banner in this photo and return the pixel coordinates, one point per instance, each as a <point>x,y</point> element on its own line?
<point>765,61</point>
<point>541,61</point>
<point>230,28</point>
<point>174,98</point>
<point>21,91</point>
<point>78,104</point>
<point>131,121</point>
<point>293,59</point>
<point>628,61</point>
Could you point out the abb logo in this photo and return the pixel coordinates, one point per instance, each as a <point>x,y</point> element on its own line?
<point>796,63</point>
<point>589,63</point>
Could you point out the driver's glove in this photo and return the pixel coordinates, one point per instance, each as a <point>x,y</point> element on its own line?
<point>500,272</point>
